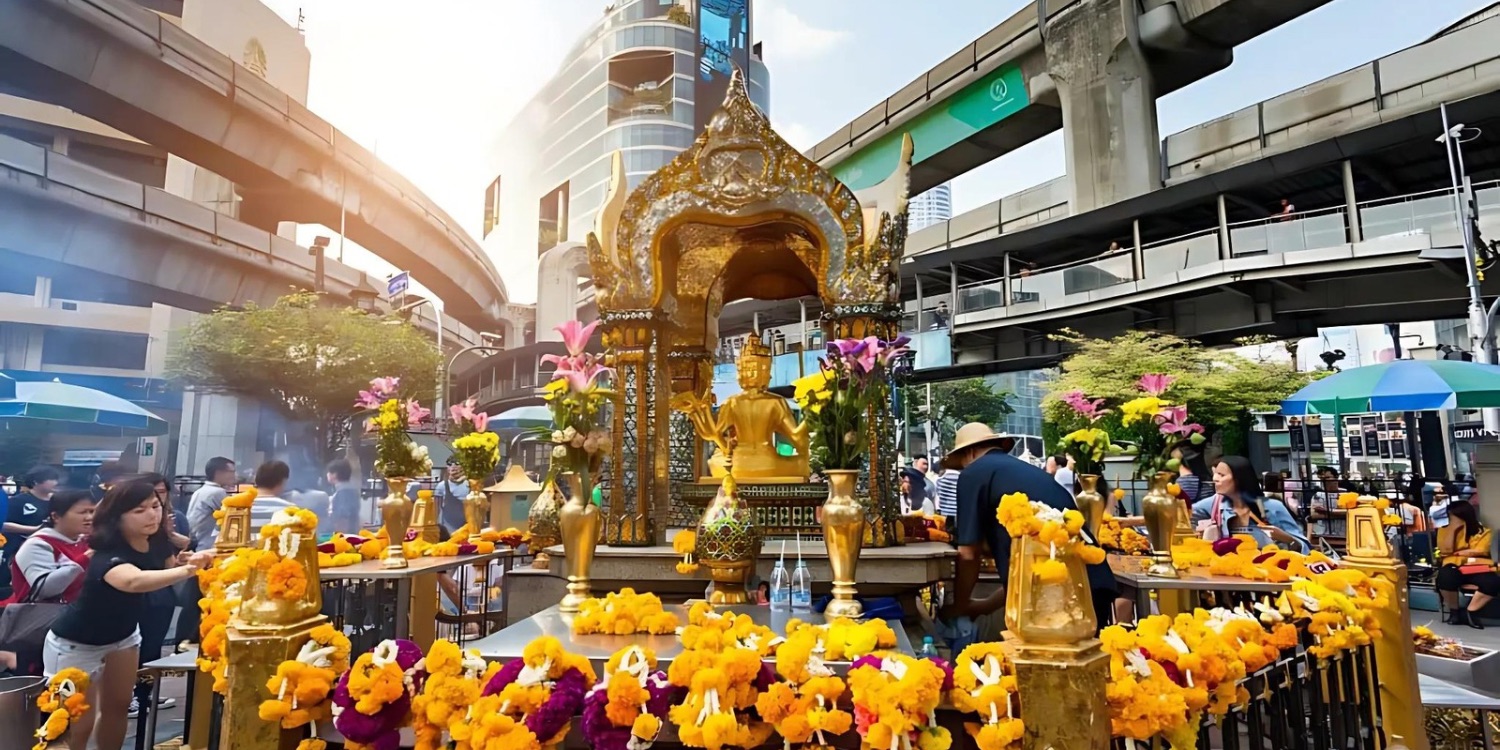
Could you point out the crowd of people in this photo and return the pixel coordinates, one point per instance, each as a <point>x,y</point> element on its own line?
<point>100,574</point>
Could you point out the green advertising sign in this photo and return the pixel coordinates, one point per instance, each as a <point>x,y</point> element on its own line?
<point>977,106</point>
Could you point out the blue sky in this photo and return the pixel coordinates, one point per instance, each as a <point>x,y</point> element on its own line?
<point>431,85</point>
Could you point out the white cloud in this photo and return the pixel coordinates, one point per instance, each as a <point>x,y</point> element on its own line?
<point>800,136</point>
<point>790,38</point>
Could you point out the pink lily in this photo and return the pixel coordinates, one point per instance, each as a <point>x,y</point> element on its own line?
<point>891,350</point>
<point>575,335</point>
<point>1155,384</point>
<point>1174,421</point>
<point>368,400</point>
<point>481,420</point>
<point>384,387</point>
<point>1091,409</point>
<point>581,380</point>
<point>461,413</point>
<point>416,413</point>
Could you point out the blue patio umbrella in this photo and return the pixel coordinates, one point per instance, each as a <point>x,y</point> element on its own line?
<point>1403,385</point>
<point>61,402</point>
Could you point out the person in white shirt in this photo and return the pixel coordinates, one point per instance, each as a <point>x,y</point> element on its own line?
<point>1060,468</point>
<point>202,526</point>
<point>270,482</point>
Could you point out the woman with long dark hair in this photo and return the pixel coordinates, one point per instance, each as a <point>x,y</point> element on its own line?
<point>99,633</point>
<point>1465,547</point>
<point>1238,507</point>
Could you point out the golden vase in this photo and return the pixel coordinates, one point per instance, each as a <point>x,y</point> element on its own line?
<point>844,535</point>
<point>1163,514</point>
<point>579,522</point>
<point>1090,503</point>
<point>729,542</point>
<point>1048,613</point>
<point>543,520</point>
<point>395,516</point>
<point>476,510</point>
<point>260,611</point>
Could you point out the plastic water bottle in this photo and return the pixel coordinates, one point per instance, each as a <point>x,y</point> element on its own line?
<point>929,648</point>
<point>801,588</point>
<point>781,594</point>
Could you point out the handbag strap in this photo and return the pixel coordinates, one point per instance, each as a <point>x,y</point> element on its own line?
<point>1218,514</point>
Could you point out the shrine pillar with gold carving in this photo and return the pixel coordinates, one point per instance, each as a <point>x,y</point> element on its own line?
<point>878,489</point>
<point>639,487</point>
<point>1395,652</point>
<point>692,371</point>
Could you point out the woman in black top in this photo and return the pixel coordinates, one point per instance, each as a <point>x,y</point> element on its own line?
<point>99,632</point>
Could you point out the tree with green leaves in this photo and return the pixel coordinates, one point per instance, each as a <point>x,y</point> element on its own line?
<point>956,403</point>
<point>1219,387</point>
<point>305,359</point>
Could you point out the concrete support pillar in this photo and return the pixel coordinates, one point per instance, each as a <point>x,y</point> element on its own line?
<point>1108,100</point>
<point>1005,283</point>
<point>1351,205</point>
<point>1137,255</point>
<point>1225,248</point>
<point>953,289</point>
<point>42,292</point>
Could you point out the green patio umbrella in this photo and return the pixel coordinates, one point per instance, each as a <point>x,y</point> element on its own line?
<point>1403,385</point>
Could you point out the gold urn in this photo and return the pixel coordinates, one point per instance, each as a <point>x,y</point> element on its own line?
<point>844,535</point>
<point>476,509</point>
<point>544,522</point>
<point>395,516</point>
<point>1163,516</point>
<point>729,541</point>
<point>424,518</point>
<point>579,522</point>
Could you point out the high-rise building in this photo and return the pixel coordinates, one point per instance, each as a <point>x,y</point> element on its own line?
<point>642,80</point>
<point>931,207</point>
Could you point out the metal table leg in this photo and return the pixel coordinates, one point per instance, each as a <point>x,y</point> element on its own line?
<point>154,710</point>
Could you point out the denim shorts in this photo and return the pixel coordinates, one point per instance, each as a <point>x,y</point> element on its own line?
<point>60,653</point>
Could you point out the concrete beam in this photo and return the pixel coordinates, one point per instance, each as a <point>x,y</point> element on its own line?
<point>126,67</point>
<point>61,211</point>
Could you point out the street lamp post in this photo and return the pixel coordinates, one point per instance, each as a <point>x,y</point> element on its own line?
<point>448,370</point>
<point>1481,338</point>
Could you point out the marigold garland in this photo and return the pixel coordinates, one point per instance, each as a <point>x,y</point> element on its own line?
<point>844,639</point>
<point>302,687</point>
<point>895,702</point>
<point>708,630</point>
<point>223,586</point>
<point>1060,531</point>
<point>803,707</point>
<point>63,702</point>
<point>984,683</point>
<point>625,710</point>
<point>624,613</point>
<point>455,679</point>
<point>372,701</point>
<point>685,544</point>
<point>721,685</point>
<point>530,702</point>
<point>1114,536</point>
<point>1167,673</point>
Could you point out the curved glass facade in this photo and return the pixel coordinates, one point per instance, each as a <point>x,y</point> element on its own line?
<point>627,85</point>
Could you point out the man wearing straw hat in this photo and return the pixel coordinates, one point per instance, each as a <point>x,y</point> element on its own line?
<point>988,472</point>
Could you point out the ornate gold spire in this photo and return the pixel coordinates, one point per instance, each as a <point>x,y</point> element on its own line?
<point>740,173</point>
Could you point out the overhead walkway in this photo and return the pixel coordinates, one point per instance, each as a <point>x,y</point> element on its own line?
<point>125,66</point>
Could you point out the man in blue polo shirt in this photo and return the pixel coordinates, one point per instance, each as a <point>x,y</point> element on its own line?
<point>987,475</point>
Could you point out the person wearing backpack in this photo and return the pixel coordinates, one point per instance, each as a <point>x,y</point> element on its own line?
<point>47,572</point>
